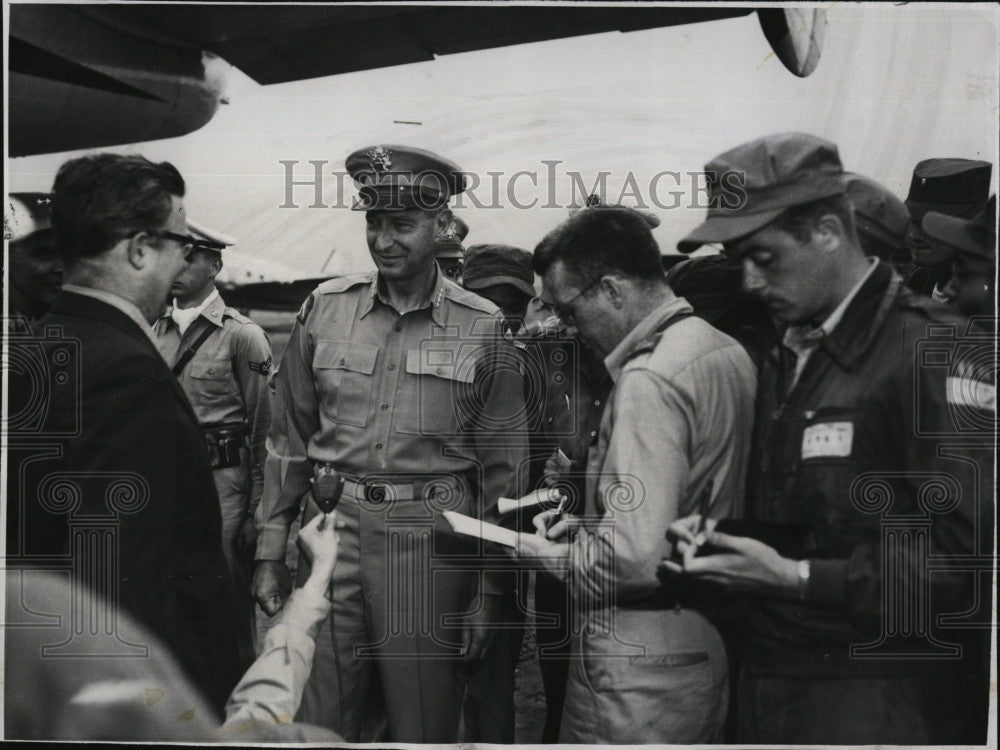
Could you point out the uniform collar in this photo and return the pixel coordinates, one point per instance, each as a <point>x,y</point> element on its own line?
<point>438,293</point>
<point>800,338</point>
<point>863,316</point>
<point>616,360</point>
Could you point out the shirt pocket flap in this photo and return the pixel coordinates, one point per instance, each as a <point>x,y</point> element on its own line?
<point>211,370</point>
<point>442,363</point>
<point>345,355</point>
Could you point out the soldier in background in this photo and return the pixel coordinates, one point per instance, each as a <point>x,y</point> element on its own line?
<point>501,274</point>
<point>973,244</point>
<point>882,221</point>
<point>449,251</point>
<point>221,359</point>
<point>954,187</point>
<point>35,267</point>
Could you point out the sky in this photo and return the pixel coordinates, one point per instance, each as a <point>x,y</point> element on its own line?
<point>895,84</point>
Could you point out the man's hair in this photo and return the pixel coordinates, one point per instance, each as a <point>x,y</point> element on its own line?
<point>799,221</point>
<point>593,244</point>
<point>99,200</point>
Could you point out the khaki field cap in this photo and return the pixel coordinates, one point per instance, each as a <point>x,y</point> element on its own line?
<point>880,218</point>
<point>396,178</point>
<point>750,185</point>
<point>490,265</point>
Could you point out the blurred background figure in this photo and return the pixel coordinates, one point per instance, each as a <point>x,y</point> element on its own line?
<point>881,220</point>
<point>449,251</point>
<point>35,268</point>
<point>954,187</point>
<point>973,245</point>
<point>502,274</point>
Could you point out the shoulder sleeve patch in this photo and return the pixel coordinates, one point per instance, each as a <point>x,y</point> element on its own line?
<point>304,311</point>
<point>261,368</point>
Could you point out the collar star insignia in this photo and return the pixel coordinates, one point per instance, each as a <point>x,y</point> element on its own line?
<point>379,158</point>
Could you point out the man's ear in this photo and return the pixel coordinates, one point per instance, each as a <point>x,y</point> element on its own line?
<point>139,249</point>
<point>216,264</point>
<point>829,232</point>
<point>615,289</point>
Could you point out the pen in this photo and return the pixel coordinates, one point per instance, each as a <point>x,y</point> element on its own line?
<point>704,505</point>
<point>559,512</point>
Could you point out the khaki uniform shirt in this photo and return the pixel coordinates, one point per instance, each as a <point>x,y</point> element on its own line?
<point>433,392</point>
<point>680,415</point>
<point>226,380</point>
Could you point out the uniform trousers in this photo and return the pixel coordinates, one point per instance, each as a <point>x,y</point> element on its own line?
<point>389,656</point>
<point>233,486</point>
<point>646,676</point>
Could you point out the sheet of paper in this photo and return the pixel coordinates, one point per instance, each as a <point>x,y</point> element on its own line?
<point>469,526</point>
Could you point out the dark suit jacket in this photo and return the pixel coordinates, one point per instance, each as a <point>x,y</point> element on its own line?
<point>139,462</point>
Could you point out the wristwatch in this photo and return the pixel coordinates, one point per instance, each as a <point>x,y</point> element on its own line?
<point>803,579</point>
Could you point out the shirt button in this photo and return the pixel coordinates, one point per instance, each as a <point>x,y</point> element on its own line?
<point>398,329</point>
<point>378,446</point>
<point>392,367</point>
<point>597,402</point>
<point>385,406</point>
<point>342,361</point>
<point>593,433</point>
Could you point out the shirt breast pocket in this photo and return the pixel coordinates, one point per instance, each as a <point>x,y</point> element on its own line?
<point>344,375</point>
<point>437,389</point>
<point>211,379</point>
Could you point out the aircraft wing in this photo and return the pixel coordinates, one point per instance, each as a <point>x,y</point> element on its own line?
<point>87,76</point>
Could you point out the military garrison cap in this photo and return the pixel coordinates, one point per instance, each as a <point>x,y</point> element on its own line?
<point>752,184</point>
<point>26,213</point>
<point>880,218</point>
<point>956,187</point>
<point>491,265</point>
<point>450,245</point>
<point>396,178</point>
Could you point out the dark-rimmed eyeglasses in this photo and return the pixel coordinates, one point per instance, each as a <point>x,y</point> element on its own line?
<point>189,245</point>
<point>564,309</point>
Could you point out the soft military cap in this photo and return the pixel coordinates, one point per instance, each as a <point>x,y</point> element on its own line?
<point>957,187</point>
<point>396,178</point>
<point>772,173</point>
<point>450,245</point>
<point>25,214</point>
<point>880,218</point>
<point>975,237</point>
<point>208,238</point>
<point>492,265</point>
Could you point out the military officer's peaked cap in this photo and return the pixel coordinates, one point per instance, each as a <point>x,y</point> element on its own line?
<point>208,238</point>
<point>957,187</point>
<point>752,184</point>
<point>975,237</point>
<point>400,177</point>
<point>26,213</point>
<point>450,245</point>
<point>880,218</point>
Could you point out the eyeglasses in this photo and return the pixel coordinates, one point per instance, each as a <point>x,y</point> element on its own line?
<point>189,245</point>
<point>564,309</point>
